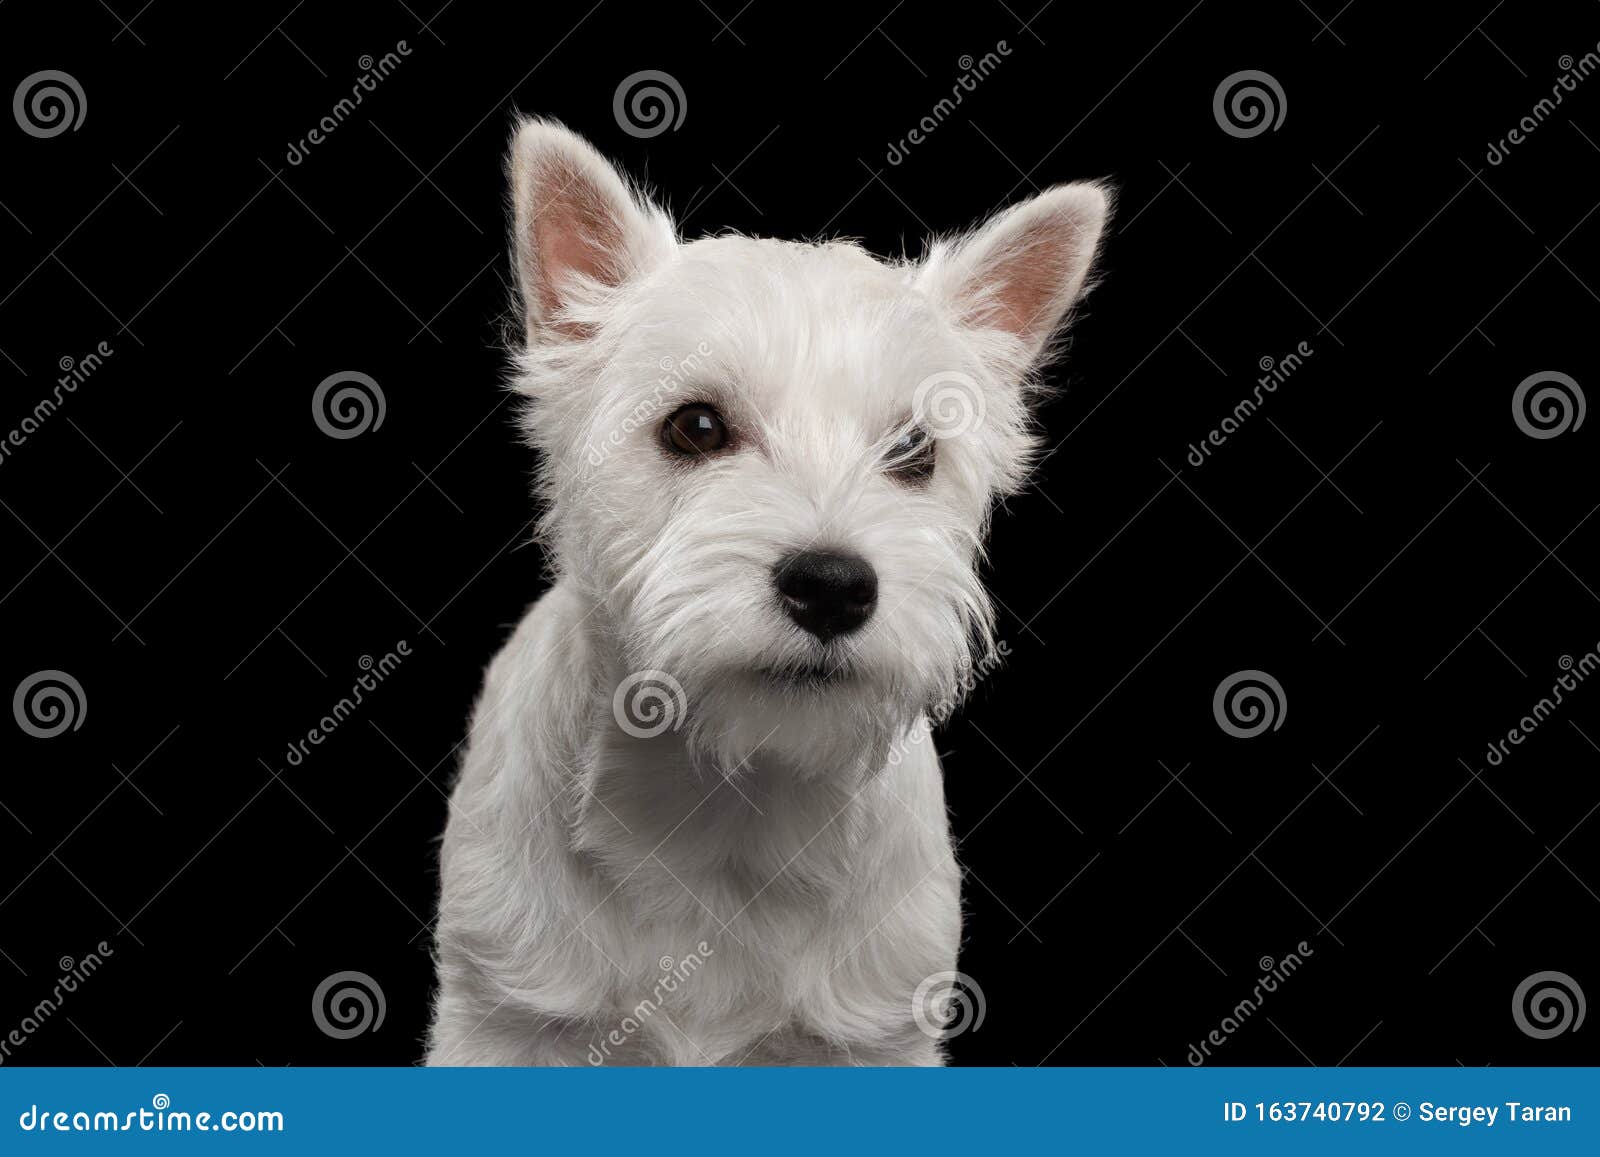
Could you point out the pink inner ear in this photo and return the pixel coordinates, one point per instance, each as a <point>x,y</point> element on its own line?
<point>575,231</point>
<point>1028,282</point>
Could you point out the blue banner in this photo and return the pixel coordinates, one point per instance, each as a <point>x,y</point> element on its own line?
<point>804,1111</point>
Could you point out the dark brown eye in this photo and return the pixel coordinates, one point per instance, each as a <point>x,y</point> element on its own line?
<point>911,457</point>
<point>694,430</point>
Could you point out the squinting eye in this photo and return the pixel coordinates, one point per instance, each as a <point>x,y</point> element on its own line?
<point>694,430</point>
<point>911,457</point>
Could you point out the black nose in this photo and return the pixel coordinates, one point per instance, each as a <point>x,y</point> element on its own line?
<point>827,593</point>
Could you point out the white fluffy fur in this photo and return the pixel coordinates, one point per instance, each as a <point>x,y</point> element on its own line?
<point>797,830</point>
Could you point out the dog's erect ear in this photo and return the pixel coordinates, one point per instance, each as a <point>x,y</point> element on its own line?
<point>578,226</point>
<point>1021,271</point>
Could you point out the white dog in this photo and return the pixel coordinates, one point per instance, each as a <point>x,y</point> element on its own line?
<point>700,820</point>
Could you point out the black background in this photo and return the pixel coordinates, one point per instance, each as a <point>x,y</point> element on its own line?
<point>185,542</point>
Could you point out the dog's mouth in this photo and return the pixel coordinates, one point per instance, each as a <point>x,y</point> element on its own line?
<point>809,676</point>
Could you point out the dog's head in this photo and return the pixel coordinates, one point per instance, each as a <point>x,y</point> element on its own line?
<point>773,463</point>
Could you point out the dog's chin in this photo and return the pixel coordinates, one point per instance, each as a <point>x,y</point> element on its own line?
<point>830,716</point>
<point>819,676</point>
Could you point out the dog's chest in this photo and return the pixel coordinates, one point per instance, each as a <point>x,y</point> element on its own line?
<point>765,911</point>
<point>786,995</point>
<point>784,959</point>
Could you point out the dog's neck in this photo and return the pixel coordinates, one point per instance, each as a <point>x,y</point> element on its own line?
<point>664,798</point>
